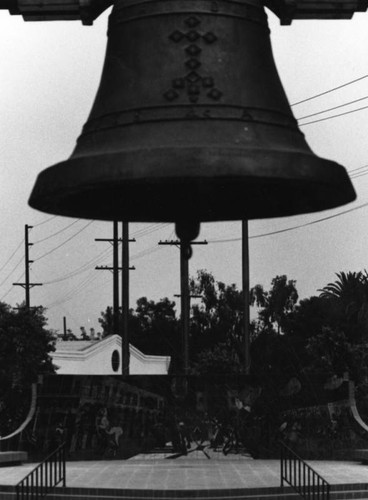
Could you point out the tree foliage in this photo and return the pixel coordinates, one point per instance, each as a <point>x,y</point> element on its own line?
<point>275,304</point>
<point>26,345</point>
<point>154,327</point>
<point>216,329</point>
<point>289,338</point>
<point>349,295</point>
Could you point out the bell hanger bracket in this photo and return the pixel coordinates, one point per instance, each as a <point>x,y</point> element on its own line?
<point>88,10</point>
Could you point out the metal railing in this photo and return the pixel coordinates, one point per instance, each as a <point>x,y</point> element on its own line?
<point>301,477</point>
<point>41,480</point>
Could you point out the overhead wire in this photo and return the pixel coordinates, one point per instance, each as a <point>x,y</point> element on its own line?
<point>330,90</point>
<point>64,242</point>
<point>151,229</point>
<point>80,269</point>
<point>12,271</point>
<point>11,288</point>
<point>45,221</point>
<point>333,116</point>
<point>81,286</point>
<point>75,291</point>
<point>333,108</point>
<point>77,288</point>
<point>12,255</point>
<point>144,253</point>
<point>291,228</point>
<point>357,168</point>
<point>57,232</point>
<point>359,174</point>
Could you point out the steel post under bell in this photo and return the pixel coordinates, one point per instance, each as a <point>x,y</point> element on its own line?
<point>190,124</point>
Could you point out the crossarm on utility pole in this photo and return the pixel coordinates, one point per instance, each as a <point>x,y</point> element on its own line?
<point>27,285</point>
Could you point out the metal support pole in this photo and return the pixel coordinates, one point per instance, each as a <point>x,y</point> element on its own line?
<point>115,266</point>
<point>125,299</point>
<point>185,310</point>
<point>246,319</point>
<point>185,297</point>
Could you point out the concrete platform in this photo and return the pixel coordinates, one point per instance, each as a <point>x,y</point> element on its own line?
<point>185,474</point>
<point>12,457</point>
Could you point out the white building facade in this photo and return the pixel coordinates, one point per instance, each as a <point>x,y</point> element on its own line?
<point>103,357</point>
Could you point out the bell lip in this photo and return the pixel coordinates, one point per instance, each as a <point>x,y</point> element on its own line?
<point>80,186</point>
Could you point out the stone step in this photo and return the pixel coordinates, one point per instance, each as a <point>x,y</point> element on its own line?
<point>338,492</point>
<point>12,458</point>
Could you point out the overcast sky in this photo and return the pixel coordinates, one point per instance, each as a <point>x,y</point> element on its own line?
<point>49,76</point>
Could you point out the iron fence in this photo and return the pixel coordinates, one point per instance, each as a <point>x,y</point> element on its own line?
<point>301,477</point>
<point>41,480</point>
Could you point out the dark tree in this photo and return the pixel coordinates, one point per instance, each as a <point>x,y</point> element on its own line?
<point>349,295</point>
<point>216,329</point>
<point>275,304</point>
<point>154,327</point>
<point>26,345</point>
<point>107,321</point>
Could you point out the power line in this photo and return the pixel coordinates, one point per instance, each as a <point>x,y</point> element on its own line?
<point>11,288</point>
<point>80,269</point>
<point>333,116</point>
<point>333,108</point>
<point>75,291</point>
<point>7,293</point>
<point>11,272</point>
<point>82,285</point>
<point>150,229</point>
<point>45,221</point>
<point>64,242</point>
<point>357,168</point>
<point>58,232</point>
<point>12,255</point>
<point>361,174</point>
<point>330,90</point>
<point>147,251</point>
<point>228,240</point>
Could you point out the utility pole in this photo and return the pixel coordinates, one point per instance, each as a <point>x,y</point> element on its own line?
<point>27,285</point>
<point>184,297</point>
<point>115,271</point>
<point>245,280</point>
<point>121,330</point>
<point>125,297</point>
<point>64,327</point>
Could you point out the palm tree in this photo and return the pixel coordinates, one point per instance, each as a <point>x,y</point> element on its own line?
<point>350,293</point>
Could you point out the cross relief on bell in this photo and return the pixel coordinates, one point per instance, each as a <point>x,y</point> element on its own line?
<point>193,82</point>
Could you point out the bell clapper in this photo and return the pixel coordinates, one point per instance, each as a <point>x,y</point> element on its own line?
<point>187,231</point>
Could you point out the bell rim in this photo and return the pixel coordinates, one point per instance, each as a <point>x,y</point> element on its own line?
<point>92,178</point>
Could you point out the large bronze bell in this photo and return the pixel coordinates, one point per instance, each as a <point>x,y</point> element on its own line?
<point>190,123</point>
